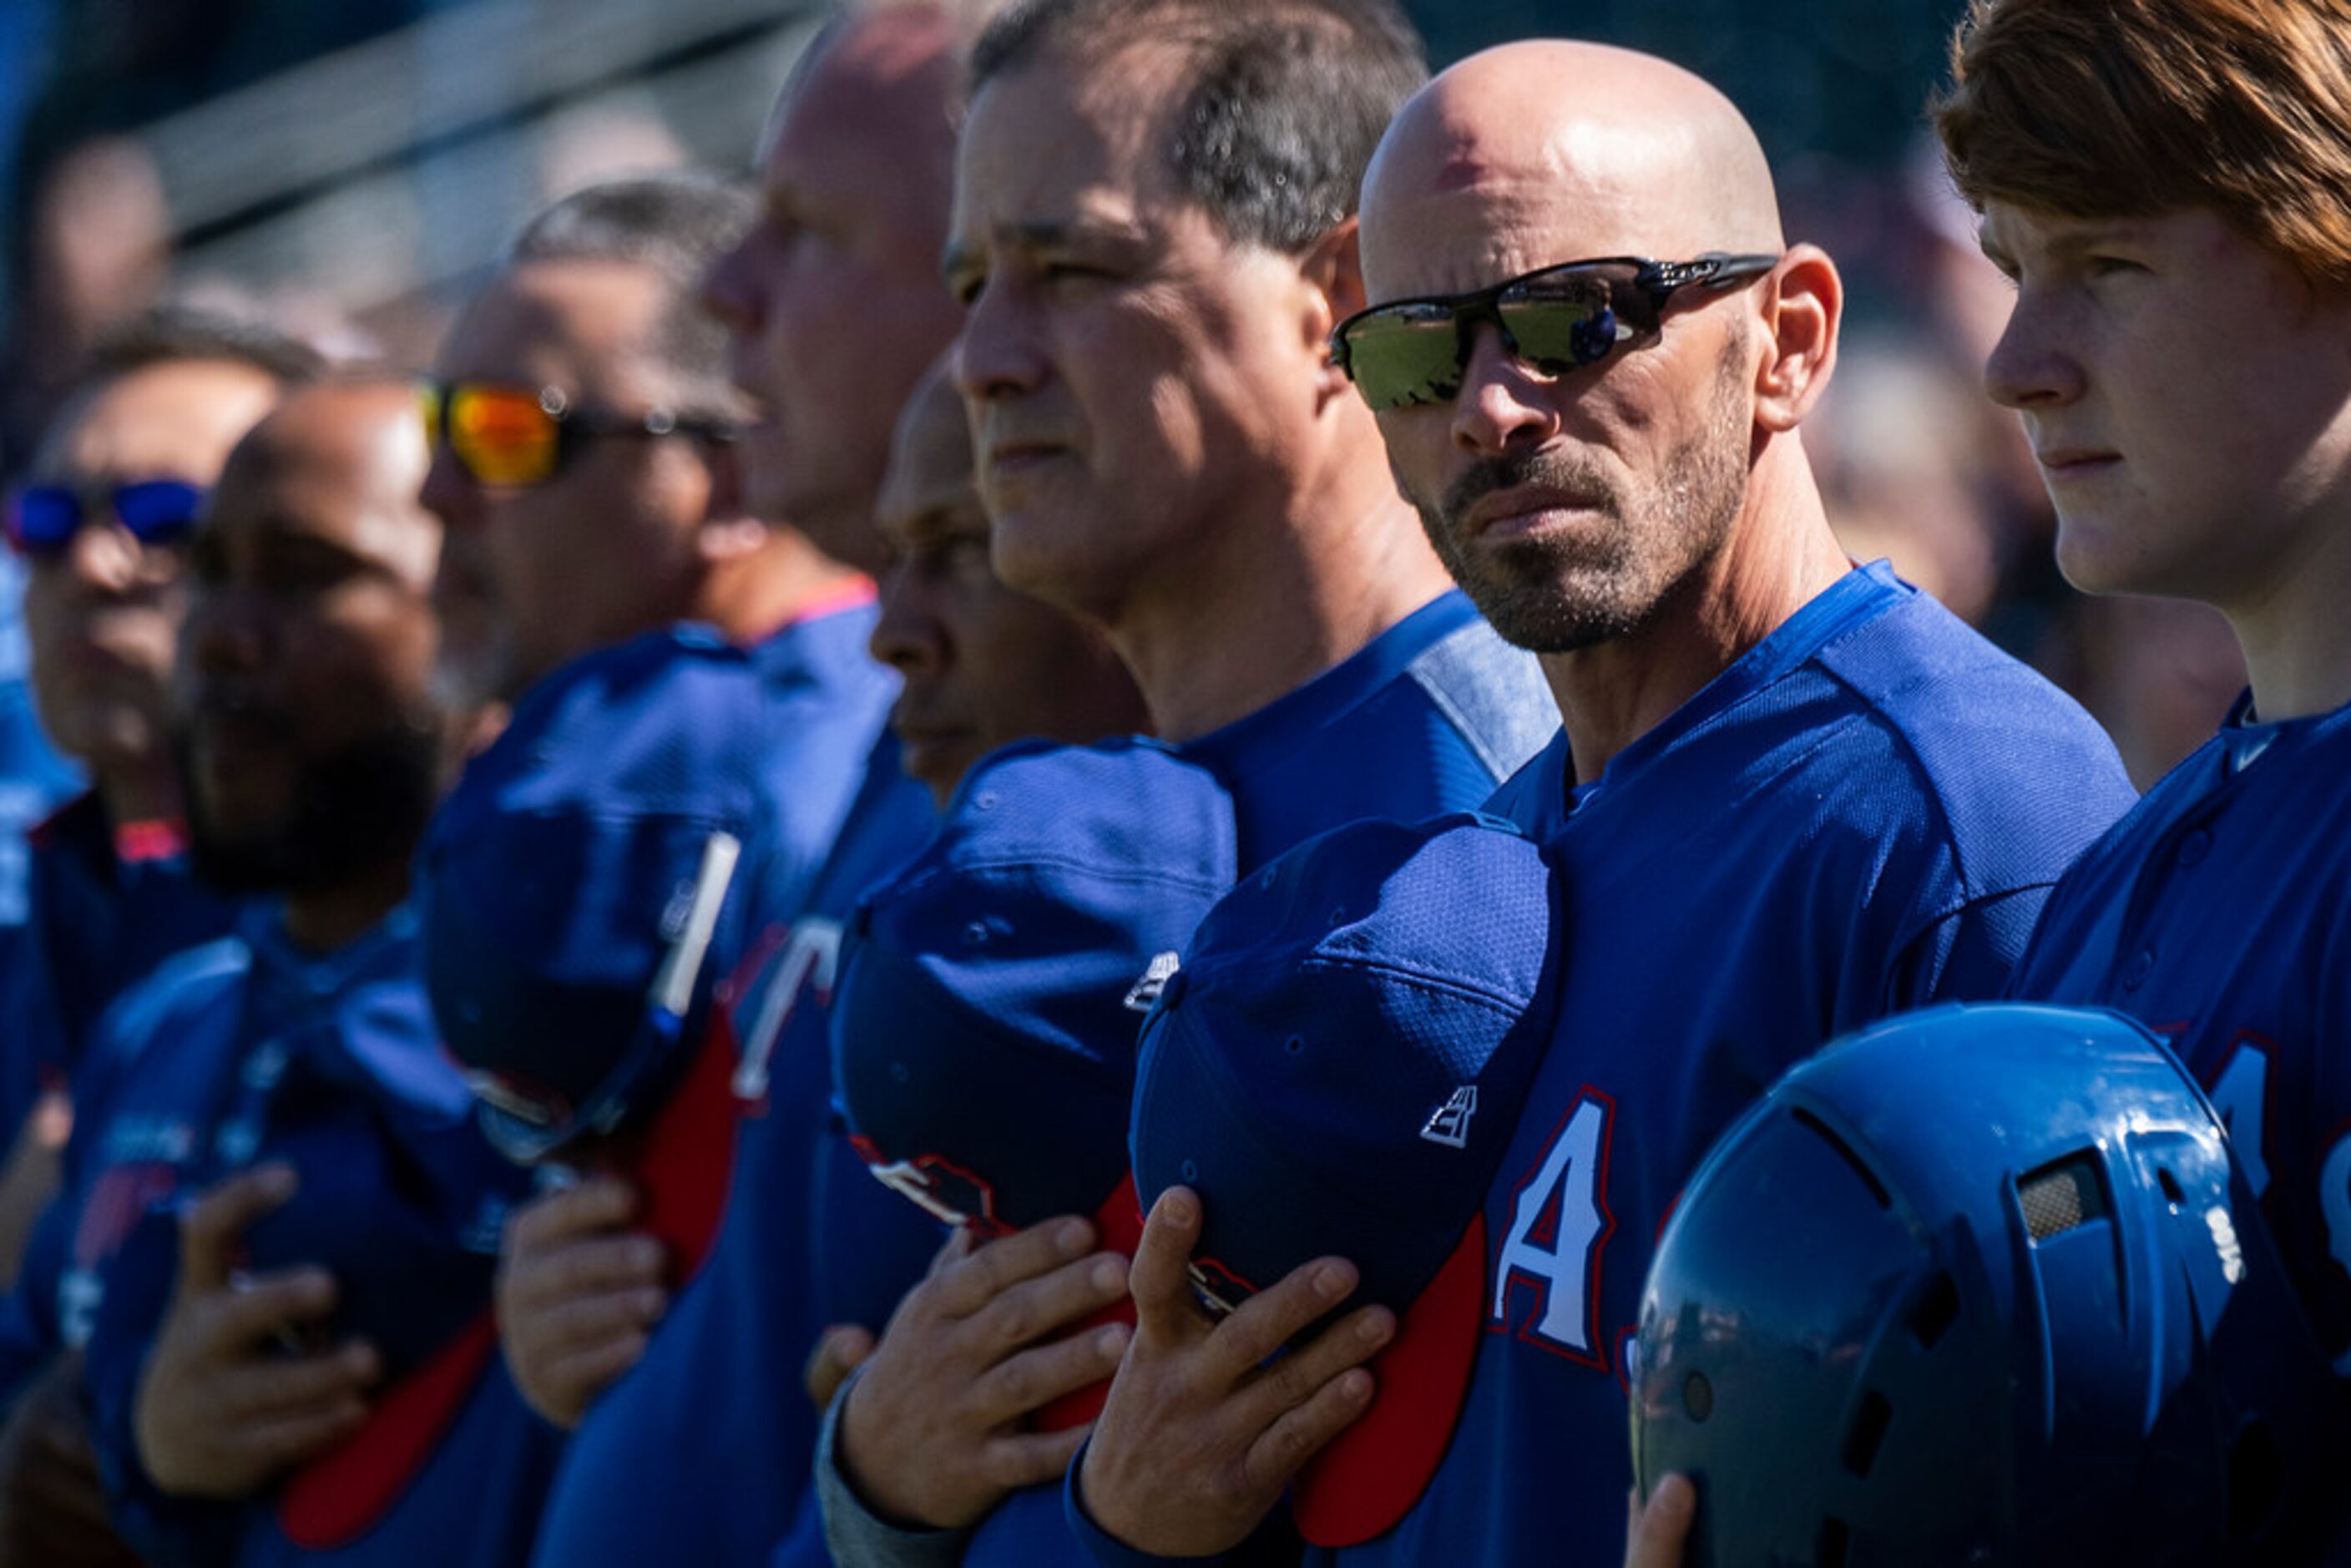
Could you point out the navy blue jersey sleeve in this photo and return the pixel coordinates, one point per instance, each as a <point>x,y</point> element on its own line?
<point>1969,955</point>
<point>803,1544</point>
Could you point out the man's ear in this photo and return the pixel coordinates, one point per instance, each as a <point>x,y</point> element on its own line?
<point>728,529</point>
<point>1332,270</point>
<point>1803,303</point>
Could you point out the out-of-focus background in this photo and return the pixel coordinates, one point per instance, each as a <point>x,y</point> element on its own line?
<point>347,166</point>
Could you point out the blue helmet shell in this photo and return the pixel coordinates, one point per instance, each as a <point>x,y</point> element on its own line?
<point>1983,1285</point>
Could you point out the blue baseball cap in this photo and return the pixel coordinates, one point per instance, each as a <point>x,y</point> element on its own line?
<point>1337,1069</point>
<point>589,879</point>
<point>984,1026</point>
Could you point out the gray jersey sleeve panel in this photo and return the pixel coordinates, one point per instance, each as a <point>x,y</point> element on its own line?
<point>1494,694</point>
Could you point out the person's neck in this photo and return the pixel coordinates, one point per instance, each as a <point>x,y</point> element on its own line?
<point>751,597</point>
<point>1780,557</point>
<point>322,919</point>
<point>1265,603</point>
<point>141,789</point>
<point>2291,625</point>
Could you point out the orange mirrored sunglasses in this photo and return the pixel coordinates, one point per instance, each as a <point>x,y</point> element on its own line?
<point>512,437</point>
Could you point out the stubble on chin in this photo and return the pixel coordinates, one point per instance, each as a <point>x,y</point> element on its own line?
<point>1572,591</point>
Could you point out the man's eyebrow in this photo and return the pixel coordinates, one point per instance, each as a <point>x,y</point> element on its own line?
<point>1046,234</point>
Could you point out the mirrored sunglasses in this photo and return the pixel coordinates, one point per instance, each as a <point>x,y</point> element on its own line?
<point>511,436</point>
<point>1557,319</point>
<point>42,519</point>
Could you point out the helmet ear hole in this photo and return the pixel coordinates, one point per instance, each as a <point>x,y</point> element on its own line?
<point>1938,1309</point>
<point>2256,1479</point>
<point>1863,1438</point>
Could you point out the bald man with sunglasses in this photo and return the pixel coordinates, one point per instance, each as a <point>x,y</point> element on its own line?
<point>1790,794</point>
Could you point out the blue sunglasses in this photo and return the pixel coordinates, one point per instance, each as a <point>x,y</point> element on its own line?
<point>44,518</point>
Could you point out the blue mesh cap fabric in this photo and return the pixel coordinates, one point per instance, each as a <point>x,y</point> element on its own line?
<point>562,869</point>
<point>984,1025</point>
<point>1338,1062</point>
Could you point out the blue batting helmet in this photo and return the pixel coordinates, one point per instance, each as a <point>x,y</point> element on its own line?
<point>1982,1285</point>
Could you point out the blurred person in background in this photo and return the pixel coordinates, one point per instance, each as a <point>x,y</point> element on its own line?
<point>587,463</point>
<point>102,522</point>
<point>1893,482</point>
<point>230,1345</point>
<point>980,663</point>
<point>96,253</point>
<point>834,301</point>
<point>587,468</point>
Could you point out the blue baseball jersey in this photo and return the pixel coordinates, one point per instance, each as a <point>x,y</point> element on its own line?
<point>2219,914</point>
<point>32,777</point>
<point>700,1453</point>
<point>1428,717</point>
<point>194,1075</point>
<point>829,700</point>
<point>1424,718</point>
<point>103,906</point>
<point>1864,813</point>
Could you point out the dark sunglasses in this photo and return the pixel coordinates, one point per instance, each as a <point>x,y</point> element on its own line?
<point>43,519</point>
<point>1557,319</point>
<point>510,436</point>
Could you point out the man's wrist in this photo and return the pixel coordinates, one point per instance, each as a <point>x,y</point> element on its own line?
<point>854,1530</point>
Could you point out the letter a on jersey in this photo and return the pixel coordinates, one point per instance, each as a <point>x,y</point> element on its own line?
<point>1558,1222</point>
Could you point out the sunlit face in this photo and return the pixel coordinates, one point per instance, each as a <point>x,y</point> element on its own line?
<point>103,613</point>
<point>834,294</point>
<point>1135,381</point>
<point>982,665</point>
<point>1570,507</point>
<point>609,546</point>
<point>2186,393</point>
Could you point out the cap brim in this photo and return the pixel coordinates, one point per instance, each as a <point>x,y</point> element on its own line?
<point>1372,1473</point>
<point>344,1493</point>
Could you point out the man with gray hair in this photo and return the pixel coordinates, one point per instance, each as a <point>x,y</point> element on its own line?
<point>585,466</point>
<point>690,1438</point>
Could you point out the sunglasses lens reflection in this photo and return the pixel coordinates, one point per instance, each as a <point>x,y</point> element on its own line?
<point>1406,357</point>
<point>159,511</point>
<point>1413,353</point>
<point>43,518</point>
<point>1564,323</point>
<point>501,436</point>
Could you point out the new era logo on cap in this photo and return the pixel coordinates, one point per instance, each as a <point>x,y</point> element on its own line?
<point>1146,990</point>
<point>1449,1123</point>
